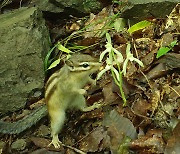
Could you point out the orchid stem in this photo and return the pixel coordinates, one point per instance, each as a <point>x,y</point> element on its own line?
<point>121,88</point>
<point>120,82</point>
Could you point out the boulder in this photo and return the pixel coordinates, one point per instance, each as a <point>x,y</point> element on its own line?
<point>70,7</point>
<point>24,43</point>
<point>142,9</point>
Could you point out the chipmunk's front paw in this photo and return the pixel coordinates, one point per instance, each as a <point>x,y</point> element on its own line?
<point>97,105</point>
<point>82,91</point>
<point>93,82</point>
<point>55,141</point>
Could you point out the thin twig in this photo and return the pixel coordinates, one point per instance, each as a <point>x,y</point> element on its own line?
<point>135,49</point>
<point>140,115</point>
<point>146,79</point>
<point>174,90</point>
<point>85,136</point>
<point>72,148</point>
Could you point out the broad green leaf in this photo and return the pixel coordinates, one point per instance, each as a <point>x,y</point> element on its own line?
<point>173,43</point>
<point>119,24</point>
<point>54,64</point>
<point>63,49</point>
<point>138,26</point>
<point>162,51</point>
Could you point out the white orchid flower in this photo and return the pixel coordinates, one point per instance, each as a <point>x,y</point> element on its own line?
<point>110,48</point>
<point>129,57</point>
<point>109,61</point>
<point>108,67</point>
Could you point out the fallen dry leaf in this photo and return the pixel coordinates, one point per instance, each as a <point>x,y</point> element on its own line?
<point>173,144</point>
<point>118,128</point>
<point>122,124</point>
<point>151,143</point>
<point>96,141</point>
<point>43,143</point>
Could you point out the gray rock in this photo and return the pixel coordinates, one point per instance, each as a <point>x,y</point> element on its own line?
<point>71,7</point>
<point>24,42</point>
<point>82,6</point>
<point>148,8</point>
<point>19,144</point>
<point>47,6</point>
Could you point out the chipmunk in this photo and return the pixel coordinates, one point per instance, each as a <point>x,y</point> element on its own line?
<point>64,90</point>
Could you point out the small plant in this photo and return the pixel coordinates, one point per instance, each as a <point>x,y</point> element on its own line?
<point>129,57</point>
<point>163,50</point>
<point>115,58</point>
<point>51,63</point>
<point>47,60</point>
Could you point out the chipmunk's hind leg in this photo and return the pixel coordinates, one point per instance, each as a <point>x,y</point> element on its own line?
<point>57,118</point>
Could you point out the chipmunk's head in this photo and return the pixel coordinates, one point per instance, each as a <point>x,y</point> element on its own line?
<point>83,62</point>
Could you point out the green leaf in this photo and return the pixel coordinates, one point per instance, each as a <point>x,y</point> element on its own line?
<point>138,26</point>
<point>47,58</point>
<point>124,145</point>
<point>117,2</point>
<point>162,51</point>
<point>173,43</point>
<point>77,47</point>
<point>63,48</point>
<point>119,24</point>
<point>54,64</point>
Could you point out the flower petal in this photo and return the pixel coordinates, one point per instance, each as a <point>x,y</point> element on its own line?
<point>108,47</point>
<point>103,54</point>
<point>109,61</point>
<point>108,37</point>
<point>125,66</point>
<point>119,55</point>
<point>102,72</point>
<point>139,62</point>
<point>116,73</point>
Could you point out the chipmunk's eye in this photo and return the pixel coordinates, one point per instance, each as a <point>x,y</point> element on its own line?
<point>85,65</point>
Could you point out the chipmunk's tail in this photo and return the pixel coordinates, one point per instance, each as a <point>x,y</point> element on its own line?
<point>25,123</point>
